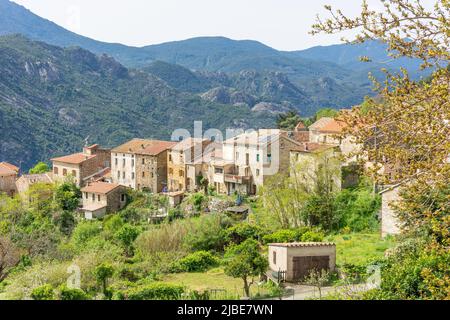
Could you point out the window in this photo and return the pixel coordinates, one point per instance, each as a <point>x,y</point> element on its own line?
<point>218,170</point>
<point>143,174</point>
<point>269,158</point>
<point>143,161</point>
<point>181,173</point>
<point>274,257</point>
<point>257,157</point>
<point>132,162</point>
<point>153,174</point>
<point>257,172</point>
<point>93,197</point>
<point>123,175</point>
<point>247,159</point>
<point>55,170</point>
<point>116,161</point>
<point>237,155</point>
<point>118,174</point>
<point>86,195</point>
<point>122,197</point>
<point>64,172</point>
<point>74,173</point>
<point>98,198</point>
<point>132,175</point>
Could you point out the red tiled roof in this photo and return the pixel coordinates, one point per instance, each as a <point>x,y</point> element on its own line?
<point>8,169</point>
<point>75,158</point>
<point>333,127</point>
<point>145,147</point>
<point>100,187</point>
<point>319,124</point>
<point>303,244</point>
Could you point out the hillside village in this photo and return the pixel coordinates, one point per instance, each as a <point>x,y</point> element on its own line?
<point>239,165</point>
<point>238,168</point>
<point>317,203</point>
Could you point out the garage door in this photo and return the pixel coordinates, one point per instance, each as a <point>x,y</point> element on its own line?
<point>302,266</point>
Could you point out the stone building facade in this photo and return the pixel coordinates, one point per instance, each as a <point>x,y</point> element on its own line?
<point>100,198</point>
<point>8,177</point>
<point>141,164</point>
<point>82,166</point>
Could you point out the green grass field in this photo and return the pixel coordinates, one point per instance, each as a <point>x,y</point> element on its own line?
<point>359,248</point>
<point>214,279</point>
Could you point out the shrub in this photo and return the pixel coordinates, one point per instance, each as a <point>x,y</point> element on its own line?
<point>72,294</point>
<point>243,231</point>
<point>312,236</point>
<point>44,292</point>
<point>199,261</point>
<point>85,231</point>
<point>155,291</point>
<point>280,236</point>
<point>113,223</point>
<point>207,233</point>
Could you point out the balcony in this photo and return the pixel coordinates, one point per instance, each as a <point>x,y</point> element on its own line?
<point>235,178</point>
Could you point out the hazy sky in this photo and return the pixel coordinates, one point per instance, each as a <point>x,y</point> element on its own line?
<point>282,24</point>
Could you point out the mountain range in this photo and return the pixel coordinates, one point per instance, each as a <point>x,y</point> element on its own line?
<point>57,87</point>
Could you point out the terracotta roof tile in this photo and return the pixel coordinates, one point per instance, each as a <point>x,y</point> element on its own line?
<point>303,244</point>
<point>319,124</point>
<point>75,158</point>
<point>333,127</point>
<point>100,187</point>
<point>9,166</point>
<point>145,147</point>
<point>37,178</point>
<point>7,169</point>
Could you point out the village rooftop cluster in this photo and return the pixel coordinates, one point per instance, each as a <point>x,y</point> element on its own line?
<point>239,165</point>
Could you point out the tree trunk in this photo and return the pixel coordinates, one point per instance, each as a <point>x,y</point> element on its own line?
<point>246,287</point>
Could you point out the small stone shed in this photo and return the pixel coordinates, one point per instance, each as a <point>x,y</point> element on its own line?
<point>298,259</point>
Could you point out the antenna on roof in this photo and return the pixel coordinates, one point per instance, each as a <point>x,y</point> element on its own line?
<point>86,141</point>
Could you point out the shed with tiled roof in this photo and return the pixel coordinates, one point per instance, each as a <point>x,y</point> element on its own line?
<point>295,261</point>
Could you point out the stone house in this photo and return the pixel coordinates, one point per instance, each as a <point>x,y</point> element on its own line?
<point>100,198</point>
<point>390,224</point>
<point>311,160</point>
<point>26,181</point>
<point>185,164</point>
<point>250,158</point>
<point>82,166</point>
<point>141,164</point>
<point>8,177</point>
<point>297,260</point>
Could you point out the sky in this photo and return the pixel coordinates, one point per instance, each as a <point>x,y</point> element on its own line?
<point>281,24</point>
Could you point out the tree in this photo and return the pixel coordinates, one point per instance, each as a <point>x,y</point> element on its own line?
<point>318,279</point>
<point>288,120</point>
<point>244,261</point>
<point>41,167</point>
<point>68,196</point>
<point>408,127</point>
<point>102,273</point>
<point>9,257</point>
<point>126,235</point>
<point>407,131</point>
<point>326,112</point>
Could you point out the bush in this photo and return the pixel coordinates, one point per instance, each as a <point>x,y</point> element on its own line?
<point>199,261</point>
<point>281,236</point>
<point>312,236</point>
<point>44,292</point>
<point>72,294</point>
<point>243,231</point>
<point>155,291</point>
<point>85,231</point>
<point>207,233</point>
